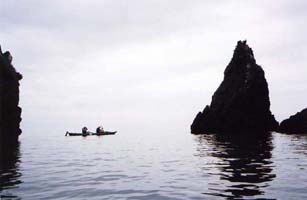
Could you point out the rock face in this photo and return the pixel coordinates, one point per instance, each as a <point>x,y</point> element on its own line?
<point>10,113</point>
<point>295,124</point>
<point>241,103</point>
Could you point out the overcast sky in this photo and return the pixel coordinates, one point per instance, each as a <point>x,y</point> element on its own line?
<point>151,64</point>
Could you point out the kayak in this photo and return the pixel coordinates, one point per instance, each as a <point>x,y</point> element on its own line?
<point>89,133</point>
<point>105,133</point>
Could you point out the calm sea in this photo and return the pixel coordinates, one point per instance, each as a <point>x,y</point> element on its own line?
<point>161,165</point>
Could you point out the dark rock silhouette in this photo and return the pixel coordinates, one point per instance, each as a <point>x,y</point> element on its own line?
<point>295,124</point>
<point>10,112</point>
<point>241,103</point>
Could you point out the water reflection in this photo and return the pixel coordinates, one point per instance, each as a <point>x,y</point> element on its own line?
<point>243,162</point>
<point>299,143</point>
<point>9,169</point>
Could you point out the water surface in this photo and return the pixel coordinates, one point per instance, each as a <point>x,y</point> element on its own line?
<point>155,166</point>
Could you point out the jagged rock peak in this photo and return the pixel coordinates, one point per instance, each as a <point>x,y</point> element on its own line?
<point>6,65</point>
<point>243,51</point>
<point>241,103</point>
<point>242,60</point>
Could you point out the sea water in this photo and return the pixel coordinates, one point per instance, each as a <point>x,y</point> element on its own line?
<point>160,165</point>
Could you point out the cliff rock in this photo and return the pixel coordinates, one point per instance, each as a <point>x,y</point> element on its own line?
<point>295,124</point>
<point>241,103</point>
<point>10,112</point>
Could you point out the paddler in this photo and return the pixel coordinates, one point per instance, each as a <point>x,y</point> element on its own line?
<point>99,129</point>
<point>84,130</point>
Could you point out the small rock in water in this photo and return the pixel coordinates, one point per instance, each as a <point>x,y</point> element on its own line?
<point>295,124</point>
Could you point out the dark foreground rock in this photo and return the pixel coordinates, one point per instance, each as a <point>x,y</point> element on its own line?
<point>241,103</point>
<point>295,124</point>
<point>10,112</point>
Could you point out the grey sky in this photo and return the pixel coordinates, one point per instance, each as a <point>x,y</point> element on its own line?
<point>146,64</point>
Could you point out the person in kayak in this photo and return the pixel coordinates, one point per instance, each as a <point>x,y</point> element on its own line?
<point>99,129</point>
<point>84,130</point>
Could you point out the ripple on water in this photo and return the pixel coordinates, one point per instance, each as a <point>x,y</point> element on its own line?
<point>196,167</point>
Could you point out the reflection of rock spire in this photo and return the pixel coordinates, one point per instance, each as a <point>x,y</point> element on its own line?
<point>9,98</point>
<point>241,103</point>
<point>9,166</point>
<point>245,164</point>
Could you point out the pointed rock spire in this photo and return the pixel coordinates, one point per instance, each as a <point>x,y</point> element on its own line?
<point>241,103</point>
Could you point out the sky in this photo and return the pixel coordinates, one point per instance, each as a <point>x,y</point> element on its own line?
<point>146,65</point>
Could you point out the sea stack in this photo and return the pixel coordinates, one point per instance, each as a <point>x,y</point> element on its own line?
<point>241,103</point>
<point>295,124</point>
<point>10,112</point>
